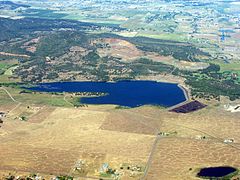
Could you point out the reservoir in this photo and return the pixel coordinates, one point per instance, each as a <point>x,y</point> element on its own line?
<point>122,93</point>
<point>216,172</point>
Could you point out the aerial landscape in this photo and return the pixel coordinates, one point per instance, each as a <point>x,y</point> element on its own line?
<point>119,89</point>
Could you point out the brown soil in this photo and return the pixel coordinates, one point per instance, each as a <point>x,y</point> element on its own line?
<point>119,48</point>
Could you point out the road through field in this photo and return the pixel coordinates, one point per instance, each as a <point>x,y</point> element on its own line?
<point>158,137</point>
<point>9,94</point>
<point>149,162</point>
<point>12,98</point>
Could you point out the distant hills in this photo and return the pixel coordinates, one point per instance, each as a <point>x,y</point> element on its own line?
<point>9,5</point>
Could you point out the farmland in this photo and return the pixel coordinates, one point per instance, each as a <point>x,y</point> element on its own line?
<point>91,136</point>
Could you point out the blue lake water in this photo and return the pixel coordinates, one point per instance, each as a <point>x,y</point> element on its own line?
<point>215,172</point>
<point>122,93</point>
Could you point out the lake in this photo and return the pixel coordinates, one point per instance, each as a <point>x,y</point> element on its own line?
<point>122,93</point>
<point>216,172</point>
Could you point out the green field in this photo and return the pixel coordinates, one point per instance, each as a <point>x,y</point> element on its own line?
<point>33,98</point>
<point>4,66</point>
<point>229,66</point>
<point>164,36</point>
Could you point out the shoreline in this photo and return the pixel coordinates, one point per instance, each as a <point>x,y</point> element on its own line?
<point>186,94</point>
<point>180,84</point>
<point>185,91</point>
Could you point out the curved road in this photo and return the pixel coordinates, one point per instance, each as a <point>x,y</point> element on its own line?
<point>8,93</point>
<point>14,100</point>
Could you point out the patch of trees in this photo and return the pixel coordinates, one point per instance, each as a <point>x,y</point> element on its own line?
<point>14,28</point>
<point>91,56</point>
<point>210,83</point>
<point>210,87</point>
<point>58,43</point>
<point>211,68</point>
<point>52,75</point>
<point>144,66</point>
<point>176,49</point>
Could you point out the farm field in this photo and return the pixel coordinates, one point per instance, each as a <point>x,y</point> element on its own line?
<point>86,141</point>
<point>91,135</point>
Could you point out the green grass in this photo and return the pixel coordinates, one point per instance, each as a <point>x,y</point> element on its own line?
<point>9,71</point>
<point>75,101</point>
<point>43,13</point>
<point>93,20</point>
<point>164,36</point>
<point>228,67</point>
<point>38,98</point>
<point>47,99</point>
<point>5,99</point>
<point>5,79</point>
<point>106,175</point>
<point>4,65</point>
